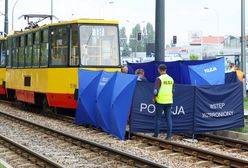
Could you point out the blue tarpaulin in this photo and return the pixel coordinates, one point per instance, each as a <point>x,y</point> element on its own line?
<point>178,70</point>
<point>104,100</point>
<point>219,107</point>
<point>88,80</point>
<point>196,109</point>
<point>143,110</point>
<point>211,73</point>
<point>231,77</point>
<point>184,69</point>
<point>151,69</point>
<point>121,103</point>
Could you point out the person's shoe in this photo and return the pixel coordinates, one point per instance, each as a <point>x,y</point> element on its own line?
<point>168,138</point>
<point>155,136</point>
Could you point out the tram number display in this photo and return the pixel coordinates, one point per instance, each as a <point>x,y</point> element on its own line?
<point>98,31</point>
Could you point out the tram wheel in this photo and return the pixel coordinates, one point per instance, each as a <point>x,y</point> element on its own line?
<point>47,108</point>
<point>45,105</point>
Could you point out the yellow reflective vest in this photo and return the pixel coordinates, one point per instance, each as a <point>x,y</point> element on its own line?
<point>240,75</point>
<point>165,95</point>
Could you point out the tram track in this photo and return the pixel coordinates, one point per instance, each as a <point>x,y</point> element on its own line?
<point>224,141</point>
<point>18,155</point>
<point>112,157</point>
<point>209,156</point>
<point>208,139</point>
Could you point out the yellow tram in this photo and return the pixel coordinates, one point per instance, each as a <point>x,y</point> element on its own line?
<point>42,63</point>
<point>2,66</point>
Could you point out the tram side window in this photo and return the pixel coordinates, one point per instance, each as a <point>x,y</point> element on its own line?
<point>2,50</point>
<point>44,48</point>
<point>8,54</point>
<point>14,57</point>
<point>15,51</point>
<point>18,50</point>
<point>59,46</point>
<point>36,49</point>
<point>21,51</point>
<point>29,48</point>
<point>74,59</point>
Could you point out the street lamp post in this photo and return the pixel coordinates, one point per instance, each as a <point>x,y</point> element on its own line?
<point>51,11</point>
<point>6,18</point>
<point>218,26</point>
<point>13,8</point>
<point>243,44</point>
<point>2,33</point>
<point>159,30</point>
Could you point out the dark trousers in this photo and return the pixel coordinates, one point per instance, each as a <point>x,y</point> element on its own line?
<point>158,115</point>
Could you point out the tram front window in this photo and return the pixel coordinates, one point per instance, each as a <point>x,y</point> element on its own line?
<point>99,45</point>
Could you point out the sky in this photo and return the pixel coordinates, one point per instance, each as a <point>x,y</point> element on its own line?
<point>181,16</point>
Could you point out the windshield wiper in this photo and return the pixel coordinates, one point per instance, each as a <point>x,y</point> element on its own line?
<point>89,38</point>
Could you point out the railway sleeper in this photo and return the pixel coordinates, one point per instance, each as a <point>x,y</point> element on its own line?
<point>239,146</point>
<point>221,142</point>
<point>77,143</point>
<point>104,153</point>
<point>32,159</point>
<point>117,157</point>
<point>166,146</point>
<point>96,158</point>
<point>18,160</point>
<point>141,165</point>
<point>203,164</point>
<point>234,150</point>
<point>11,156</point>
<point>220,166</point>
<point>95,149</point>
<point>227,162</point>
<point>142,145</point>
<point>152,148</point>
<point>26,165</point>
<point>190,158</point>
<point>154,143</point>
<point>245,153</point>
<point>175,154</point>
<point>130,162</point>
<point>164,151</point>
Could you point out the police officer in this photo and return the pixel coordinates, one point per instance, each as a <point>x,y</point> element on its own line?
<point>163,99</point>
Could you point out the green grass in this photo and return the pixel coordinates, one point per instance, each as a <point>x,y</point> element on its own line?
<point>244,129</point>
<point>246,103</point>
<point>1,166</point>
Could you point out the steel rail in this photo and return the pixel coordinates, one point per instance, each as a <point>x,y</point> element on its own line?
<point>226,141</point>
<point>123,156</point>
<point>192,151</point>
<point>38,158</point>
